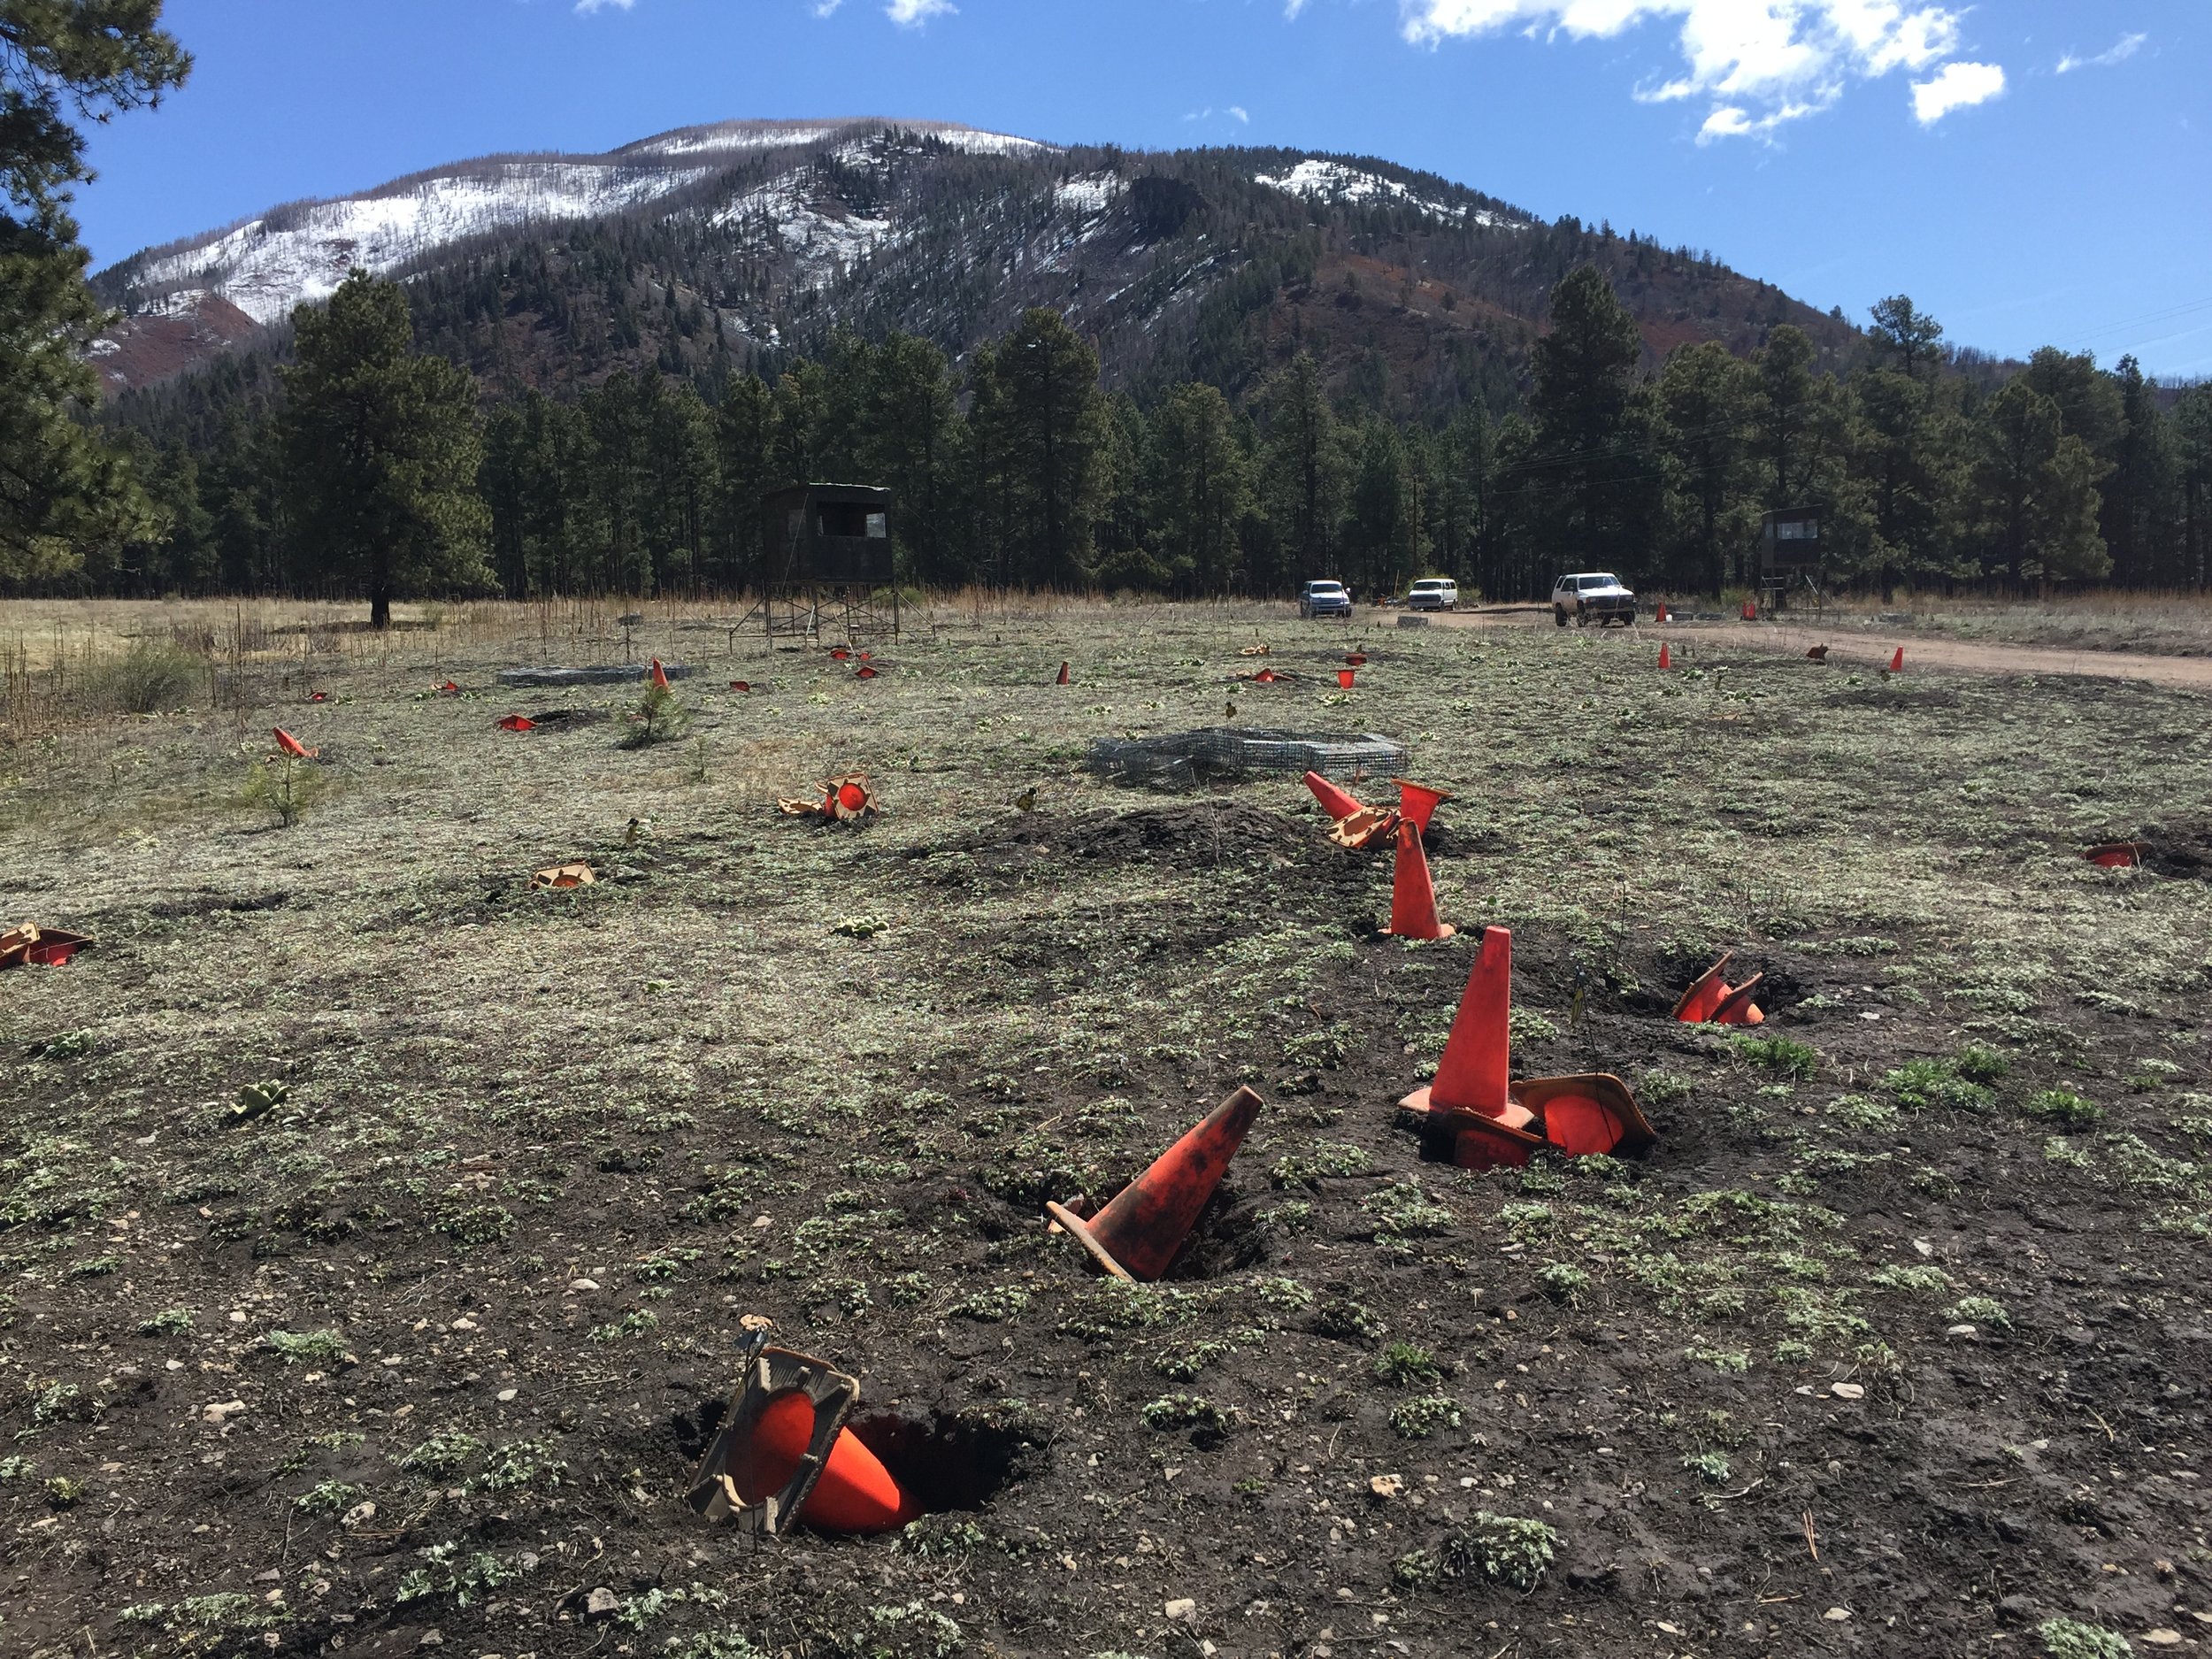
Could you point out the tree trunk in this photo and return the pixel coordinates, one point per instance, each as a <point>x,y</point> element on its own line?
<point>380,611</point>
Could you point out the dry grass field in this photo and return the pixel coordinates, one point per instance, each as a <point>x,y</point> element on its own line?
<point>1896,1343</point>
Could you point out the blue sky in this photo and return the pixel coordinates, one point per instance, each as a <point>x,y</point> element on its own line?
<point>2032,172</point>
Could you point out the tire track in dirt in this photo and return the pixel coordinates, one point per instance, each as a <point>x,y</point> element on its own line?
<point>2188,673</point>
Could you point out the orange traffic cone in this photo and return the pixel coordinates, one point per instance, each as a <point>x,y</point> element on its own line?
<point>291,745</point>
<point>517,722</point>
<point>1063,675</point>
<point>783,1451</point>
<point>1661,615</point>
<point>1418,802</point>
<point>1737,1008</point>
<point>1666,657</point>
<point>1413,894</point>
<point>1750,610</point>
<point>659,676</point>
<point>446,690</point>
<point>745,685</point>
<point>1333,801</point>
<point>1471,1095</point>
<point>1265,677</point>
<point>864,672</point>
<point>838,654</point>
<point>1357,659</point>
<point>1897,661</point>
<point>2116,855</point>
<point>318,696</point>
<point>1344,677</point>
<point>1696,1004</point>
<point>1137,1234</point>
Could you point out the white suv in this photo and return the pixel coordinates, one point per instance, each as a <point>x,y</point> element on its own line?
<point>1434,593</point>
<point>1592,596</point>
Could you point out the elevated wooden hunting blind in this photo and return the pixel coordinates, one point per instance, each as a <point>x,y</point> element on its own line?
<point>1790,554</point>
<point>827,565</point>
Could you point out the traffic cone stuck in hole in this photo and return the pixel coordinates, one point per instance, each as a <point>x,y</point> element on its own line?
<point>1357,659</point>
<point>1666,656</point>
<point>2116,855</point>
<point>1493,1121</point>
<point>1344,677</point>
<point>1265,677</point>
<point>783,1453</point>
<point>1897,661</point>
<point>1140,1234</point>
<point>517,722</point>
<point>745,685</point>
<point>1750,610</point>
<point>1712,1000</point>
<point>1418,802</point>
<point>31,945</point>
<point>318,696</point>
<point>291,745</point>
<point>1412,893</point>
<point>838,654</point>
<point>866,670</point>
<point>1064,674</point>
<point>449,689</point>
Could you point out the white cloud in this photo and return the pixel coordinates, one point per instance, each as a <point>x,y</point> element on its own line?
<point>827,8</point>
<point>1956,86</point>
<point>911,14</point>
<point>1242,114</point>
<point>1761,63</point>
<point>1292,8</point>
<point>2118,52</point>
<point>587,7</point>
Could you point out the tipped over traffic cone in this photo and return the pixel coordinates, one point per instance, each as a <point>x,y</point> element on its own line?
<point>1357,659</point>
<point>1137,1234</point>
<point>1897,661</point>
<point>449,689</point>
<point>783,1451</point>
<point>2116,855</point>
<point>1412,893</point>
<point>659,675</point>
<point>1333,801</point>
<point>563,877</point>
<point>1418,802</point>
<point>1696,1005</point>
<point>1344,677</point>
<point>864,672</point>
<point>1737,1008</point>
<point>1063,675</point>
<point>1818,654</point>
<point>517,722</point>
<point>838,654</point>
<point>745,685</point>
<point>291,745</point>
<point>318,696</point>
<point>1666,656</point>
<point>1265,677</point>
<point>31,945</point>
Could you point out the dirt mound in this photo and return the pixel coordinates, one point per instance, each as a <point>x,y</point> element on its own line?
<point>1189,834</point>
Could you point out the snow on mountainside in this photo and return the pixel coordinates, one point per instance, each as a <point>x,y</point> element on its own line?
<point>1332,181</point>
<point>300,253</point>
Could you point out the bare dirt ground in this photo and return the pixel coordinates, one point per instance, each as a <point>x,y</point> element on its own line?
<point>1923,651</point>
<point>1896,1343</point>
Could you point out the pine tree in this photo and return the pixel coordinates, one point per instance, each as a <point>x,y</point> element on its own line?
<point>1048,407</point>
<point>2033,491</point>
<point>1905,338</point>
<point>63,490</point>
<point>1303,467</point>
<point>1593,443</point>
<point>907,441</point>
<point>1200,488</point>
<point>381,450</point>
<point>1706,395</point>
<point>2192,463</point>
<point>2138,518</point>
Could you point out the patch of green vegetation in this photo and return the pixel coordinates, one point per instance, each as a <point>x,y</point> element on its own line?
<point>1709,1467</point>
<point>1496,1548</point>
<point>441,1456</point>
<point>316,1347</point>
<point>168,1322</point>
<point>633,1323</point>
<point>475,1224</point>
<point>1406,1365</point>
<point>1421,1417</point>
<point>994,1304</point>
<point>1727,1361</point>
<point>1562,1283</point>
<point>1916,1280</point>
<point>1985,1310</point>
<point>1776,1054</point>
<point>1404,1210</point>
<point>1664,1089</point>
<point>1978,1063</point>
<point>517,1466</point>
<point>448,1570</point>
<point>1343,1320</point>
<point>1325,1158</point>
<point>2064,1108</point>
<point>1184,1411</point>
<point>328,1497</point>
<point>2070,1638</point>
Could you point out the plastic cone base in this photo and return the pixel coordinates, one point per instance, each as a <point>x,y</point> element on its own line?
<point>1704,996</point>
<point>1145,1226</point>
<point>1737,1008</point>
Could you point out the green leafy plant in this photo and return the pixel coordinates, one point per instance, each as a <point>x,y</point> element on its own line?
<point>1407,1366</point>
<point>2065,1107</point>
<point>2069,1638</point>
<point>1419,1418</point>
<point>1499,1548</point>
<point>1778,1053</point>
<point>1184,1411</point>
<point>319,1347</point>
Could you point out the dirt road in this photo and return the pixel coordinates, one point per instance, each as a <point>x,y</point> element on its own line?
<point>2192,674</point>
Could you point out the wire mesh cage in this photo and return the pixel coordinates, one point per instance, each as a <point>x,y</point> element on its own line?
<point>1219,752</point>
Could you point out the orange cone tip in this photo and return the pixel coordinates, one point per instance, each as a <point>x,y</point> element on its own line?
<point>1063,675</point>
<point>863,672</point>
<point>838,654</point>
<point>1471,1076</point>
